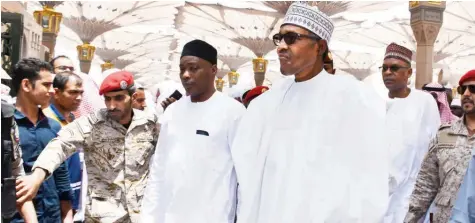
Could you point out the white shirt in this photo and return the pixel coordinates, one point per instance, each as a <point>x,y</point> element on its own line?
<point>313,151</point>
<point>411,123</point>
<point>192,176</point>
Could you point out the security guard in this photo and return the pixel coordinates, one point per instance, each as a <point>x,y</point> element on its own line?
<point>118,143</point>
<point>446,163</point>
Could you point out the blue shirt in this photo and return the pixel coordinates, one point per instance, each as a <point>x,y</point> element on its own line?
<point>33,139</point>
<point>73,162</point>
<point>464,208</point>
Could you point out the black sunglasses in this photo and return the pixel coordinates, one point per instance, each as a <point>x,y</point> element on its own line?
<point>392,68</point>
<point>291,37</point>
<point>461,89</point>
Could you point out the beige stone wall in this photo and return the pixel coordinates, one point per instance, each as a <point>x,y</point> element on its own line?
<point>32,32</point>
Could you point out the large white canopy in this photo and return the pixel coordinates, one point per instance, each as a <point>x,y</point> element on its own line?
<point>146,38</point>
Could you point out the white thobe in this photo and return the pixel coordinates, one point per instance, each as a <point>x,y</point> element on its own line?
<point>411,123</point>
<point>192,177</point>
<point>313,151</point>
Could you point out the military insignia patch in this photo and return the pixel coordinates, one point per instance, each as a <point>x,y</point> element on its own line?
<point>123,85</point>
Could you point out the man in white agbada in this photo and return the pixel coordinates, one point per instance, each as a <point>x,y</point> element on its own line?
<point>311,149</point>
<point>192,178</point>
<point>412,121</point>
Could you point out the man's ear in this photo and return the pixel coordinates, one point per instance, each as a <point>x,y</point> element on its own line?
<point>26,85</point>
<point>214,70</point>
<point>322,47</point>
<point>134,96</point>
<point>409,73</point>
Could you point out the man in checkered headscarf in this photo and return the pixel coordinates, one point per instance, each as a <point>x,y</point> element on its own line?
<point>440,95</point>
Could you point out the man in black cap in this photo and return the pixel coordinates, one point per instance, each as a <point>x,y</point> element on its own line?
<point>192,177</point>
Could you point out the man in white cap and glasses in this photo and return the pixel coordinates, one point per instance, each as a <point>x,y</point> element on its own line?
<point>312,148</point>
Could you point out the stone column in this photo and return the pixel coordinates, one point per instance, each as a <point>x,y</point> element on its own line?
<point>49,40</point>
<point>426,20</point>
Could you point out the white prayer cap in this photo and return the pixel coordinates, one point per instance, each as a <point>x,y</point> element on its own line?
<point>309,17</point>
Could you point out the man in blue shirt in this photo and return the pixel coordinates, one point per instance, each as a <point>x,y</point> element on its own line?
<point>67,98</point>
<point>32,82</point>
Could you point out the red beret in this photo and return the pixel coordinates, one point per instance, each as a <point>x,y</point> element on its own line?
<point>254,93</point>
<point>120,80</point>
<point>468,76</point>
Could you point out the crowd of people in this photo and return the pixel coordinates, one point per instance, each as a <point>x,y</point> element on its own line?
<point>315,147</point>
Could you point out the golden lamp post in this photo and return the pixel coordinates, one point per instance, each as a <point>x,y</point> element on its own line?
<point>107,65</point>
<point>85,55</point>
<point>259,67</point>
<point>50,21</point>
<point>219,84</point>
<point>233,78</point>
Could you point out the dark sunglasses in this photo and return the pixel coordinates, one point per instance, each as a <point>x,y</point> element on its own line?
<point>291,37</point>
<point>65,68</point>
<point>392,68</point>
<point>461,89</point>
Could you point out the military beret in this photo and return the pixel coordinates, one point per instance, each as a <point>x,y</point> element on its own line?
<point>468,76</point>
<point>120,80</point>
<point>254,93</point>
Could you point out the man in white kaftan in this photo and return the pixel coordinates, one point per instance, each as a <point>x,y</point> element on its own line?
<point>311,149</point>
<point>192,176</point>
<point>412,120</point>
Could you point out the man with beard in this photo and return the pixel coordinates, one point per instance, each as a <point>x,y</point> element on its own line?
<point>311,148</point>
<point>192,178</point>
<point>412,120</point>
<point>440,95</point>
<point>117,141</point>
<point>66,99</point>
<point>444,167</point>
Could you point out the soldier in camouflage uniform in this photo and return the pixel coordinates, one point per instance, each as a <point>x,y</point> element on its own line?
<point>117,153</point>
<point>445,165</point>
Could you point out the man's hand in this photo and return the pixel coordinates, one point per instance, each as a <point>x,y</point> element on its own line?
<point>27,186</point>
<point>165,103</point>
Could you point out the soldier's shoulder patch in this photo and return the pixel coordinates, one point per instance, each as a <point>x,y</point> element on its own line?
<point>444,127</point>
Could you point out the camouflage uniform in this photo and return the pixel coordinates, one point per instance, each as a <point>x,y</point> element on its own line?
<point>117,162</point>
<point>17,164</point>
<point>442,173</point>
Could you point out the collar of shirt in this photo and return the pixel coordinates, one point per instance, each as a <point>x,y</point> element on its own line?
<point>59,115</point>
<point>19,116</point>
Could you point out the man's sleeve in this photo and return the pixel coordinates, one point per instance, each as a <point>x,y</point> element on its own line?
<point>150,211</point>
<point>63,184</point>
<point>17,164</point>
<point>427,185</point>
<point>70,137</point>
<point>235,119</point>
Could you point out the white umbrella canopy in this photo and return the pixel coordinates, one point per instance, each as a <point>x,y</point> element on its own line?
<point>379,29</point>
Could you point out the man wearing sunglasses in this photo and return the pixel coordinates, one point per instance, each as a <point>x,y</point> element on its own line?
<point>412,120</point>
<point>301,152</point>
<point>445,165</point>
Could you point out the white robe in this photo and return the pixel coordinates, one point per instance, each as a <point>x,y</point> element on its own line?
<point>411,123</point>
<point>313,151</point>
<point>192,176</point>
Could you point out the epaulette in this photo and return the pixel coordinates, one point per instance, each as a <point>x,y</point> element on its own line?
<point>444,126</point>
